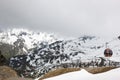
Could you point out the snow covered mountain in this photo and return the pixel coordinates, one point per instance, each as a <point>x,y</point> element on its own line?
<point>25,39</point>
<point>83,51</point>
<point>47,51</point>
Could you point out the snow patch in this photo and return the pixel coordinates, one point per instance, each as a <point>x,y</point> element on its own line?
<point>84,75</point>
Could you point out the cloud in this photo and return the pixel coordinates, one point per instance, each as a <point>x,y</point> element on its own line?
<point>67,17</point>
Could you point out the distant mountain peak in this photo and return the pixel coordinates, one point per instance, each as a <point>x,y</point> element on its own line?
<point>30,37</point>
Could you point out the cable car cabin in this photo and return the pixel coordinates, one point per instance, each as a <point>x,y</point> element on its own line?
<point>108,52</point>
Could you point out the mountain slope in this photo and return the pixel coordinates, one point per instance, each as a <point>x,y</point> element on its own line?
<point>84,51</point>
<point>22,40</point>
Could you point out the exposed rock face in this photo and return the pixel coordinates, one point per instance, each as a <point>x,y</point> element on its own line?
<point>2,59</point>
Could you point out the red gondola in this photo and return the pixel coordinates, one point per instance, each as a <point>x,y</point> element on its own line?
<point>108,52</point>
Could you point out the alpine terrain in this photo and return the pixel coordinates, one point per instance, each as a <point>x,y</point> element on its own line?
<point>33,54</point>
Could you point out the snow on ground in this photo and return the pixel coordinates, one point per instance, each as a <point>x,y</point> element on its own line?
<point>84,75</point>
<point>115,58</point>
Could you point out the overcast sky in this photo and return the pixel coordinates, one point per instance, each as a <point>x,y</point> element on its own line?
<point>67,17</point>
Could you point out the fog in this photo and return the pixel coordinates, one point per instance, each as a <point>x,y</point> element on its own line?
<point>66,17</point>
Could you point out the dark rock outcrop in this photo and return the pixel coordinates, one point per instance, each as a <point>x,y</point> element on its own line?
<point>3,60</point>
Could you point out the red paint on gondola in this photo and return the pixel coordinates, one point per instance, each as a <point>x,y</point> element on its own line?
<point>108,52</point>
